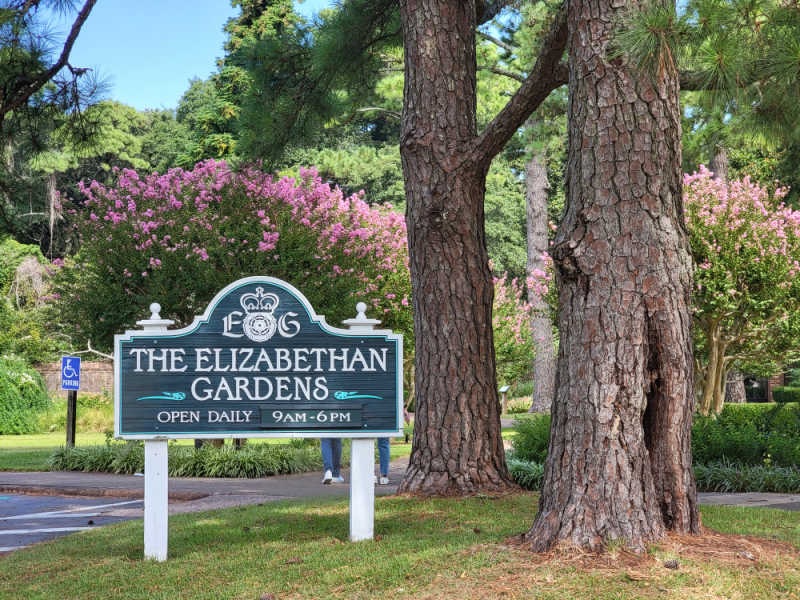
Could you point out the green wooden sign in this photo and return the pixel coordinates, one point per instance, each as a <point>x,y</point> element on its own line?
<point>258,363</point>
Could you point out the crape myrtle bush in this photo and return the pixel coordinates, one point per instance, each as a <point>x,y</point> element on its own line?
<point>253,460</point>
<point>179,238</point>
<point>513,343</point>
<point>23,397</point>
<point>745,243</point>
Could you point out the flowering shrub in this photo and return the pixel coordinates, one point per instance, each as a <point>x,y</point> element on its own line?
<point>178,238</point>
<point>513,345</point>
<point>746,246</point>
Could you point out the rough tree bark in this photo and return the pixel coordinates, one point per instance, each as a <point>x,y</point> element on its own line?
<point>619,464</point>
<point>544,361</point>
<point>718,164</point>
<point>734,388</point>
<point>457,447</point>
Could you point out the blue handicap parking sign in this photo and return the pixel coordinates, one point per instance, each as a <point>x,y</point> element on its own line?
<point>70,373</point>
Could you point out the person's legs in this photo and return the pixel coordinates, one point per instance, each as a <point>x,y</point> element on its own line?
<point>383,456</point>
<point>326,447</point>
<point>336,456</point>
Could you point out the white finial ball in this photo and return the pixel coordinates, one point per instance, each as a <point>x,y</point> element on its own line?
<point>155,309</point>
<point>361,307</point>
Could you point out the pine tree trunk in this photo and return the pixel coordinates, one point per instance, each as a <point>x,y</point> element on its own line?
<point>457,447</point>
<point>53,210</point>
<point>734,388</point>
<point>544,361</point>
<point>719,163</point>
<point>619,465</point>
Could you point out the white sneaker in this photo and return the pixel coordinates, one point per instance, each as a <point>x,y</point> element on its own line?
<point>338,479</point>
<point>327,478</point>
<point>383,480</point>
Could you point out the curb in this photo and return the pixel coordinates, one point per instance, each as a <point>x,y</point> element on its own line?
<point>44,490</point>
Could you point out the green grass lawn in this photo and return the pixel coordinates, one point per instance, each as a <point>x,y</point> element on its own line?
<point>30,452</point>
<point>443,548</point>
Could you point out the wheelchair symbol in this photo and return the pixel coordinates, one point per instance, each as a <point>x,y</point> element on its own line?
<point>69,372</point>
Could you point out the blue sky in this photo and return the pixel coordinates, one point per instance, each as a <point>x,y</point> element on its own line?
<point>148,50</point>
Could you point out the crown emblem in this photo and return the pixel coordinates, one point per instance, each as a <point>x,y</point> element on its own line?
<point>259,325</point>
<point>259,302</point>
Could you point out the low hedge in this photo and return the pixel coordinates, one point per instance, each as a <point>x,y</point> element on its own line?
<point>731,477</point>
<point>753,434</point>
<point>747,434</point>
<point>783,394</point>
<point>252,460</point>
<point>717,477</point>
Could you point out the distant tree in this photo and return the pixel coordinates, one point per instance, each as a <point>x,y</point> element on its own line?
<point>746,244</point>
<point>30,62</point>
<point>39,91</point>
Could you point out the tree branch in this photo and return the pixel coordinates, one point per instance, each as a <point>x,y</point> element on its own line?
<point>485,10</point>
<point>25,88</point>
<point>505,73</point>
<point>393,113</point>
<point>498,42</point>
<point>548,74</point>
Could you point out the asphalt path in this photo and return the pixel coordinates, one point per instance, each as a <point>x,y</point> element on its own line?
<point>25,520</point>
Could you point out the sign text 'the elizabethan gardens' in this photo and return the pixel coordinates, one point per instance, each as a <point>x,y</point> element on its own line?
<point>258,363</point>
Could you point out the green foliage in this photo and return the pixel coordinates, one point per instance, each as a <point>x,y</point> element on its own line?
<point>519,405</point>
<point>733,477</point>
<point>33,103</point>
<point>408,431</point>
<point>27,334</point>
<point>526,473</point>
<point>504,210</point>
<point>749,434</point>
<point>303,78</point>
<point>354,167</point>
<point>95,413</point>
<point>532,438</point>
<point>252,460</point>
<point>12,254</point>
<point>724,477</point>
<point>22,397</point>
<point>786,394</point>
<point>513,343</point>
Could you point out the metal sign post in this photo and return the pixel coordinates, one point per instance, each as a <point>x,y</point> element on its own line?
<point>258,363</point>
<point>71,382</point>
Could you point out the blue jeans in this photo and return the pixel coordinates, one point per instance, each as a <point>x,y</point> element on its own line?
<point>383,455</point>
<point>331,455</point>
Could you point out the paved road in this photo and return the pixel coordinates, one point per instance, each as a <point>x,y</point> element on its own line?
<point>25,520</point>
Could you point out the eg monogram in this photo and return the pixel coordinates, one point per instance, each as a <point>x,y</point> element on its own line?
<point>259,323</point>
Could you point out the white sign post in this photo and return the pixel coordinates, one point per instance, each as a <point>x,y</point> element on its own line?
<point>300,376</point>
<point>156,470</point>
<point>362,458</point>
